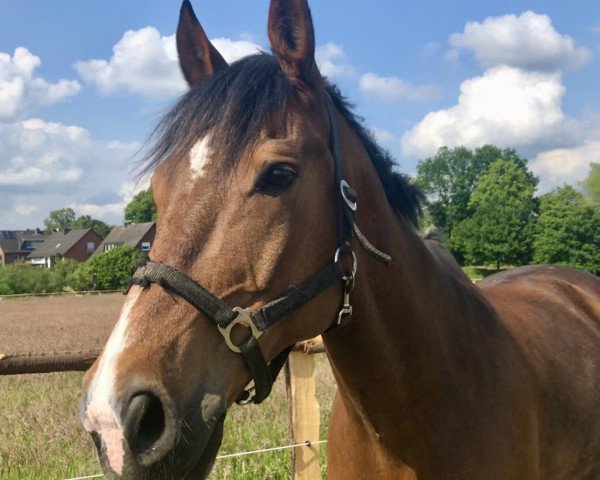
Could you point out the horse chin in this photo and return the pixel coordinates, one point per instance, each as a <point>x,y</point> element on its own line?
<point>204,464</point>
<point>183,463</point>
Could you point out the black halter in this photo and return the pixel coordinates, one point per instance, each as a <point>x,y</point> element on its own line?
<point>260,319</point>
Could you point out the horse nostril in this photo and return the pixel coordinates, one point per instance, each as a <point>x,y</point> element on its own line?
<point>144,422</point>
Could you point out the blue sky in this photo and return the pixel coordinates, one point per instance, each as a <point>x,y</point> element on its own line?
<point>83,83</point>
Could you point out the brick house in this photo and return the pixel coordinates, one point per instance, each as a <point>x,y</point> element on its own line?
<point>76,245</point>
<point>16,245</point>
<point>137,235</point>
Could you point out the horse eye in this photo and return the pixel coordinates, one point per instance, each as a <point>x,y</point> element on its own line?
<point>276,178</point>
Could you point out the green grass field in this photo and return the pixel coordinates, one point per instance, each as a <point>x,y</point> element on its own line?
<point>479,272</point>
<point>41,437</point>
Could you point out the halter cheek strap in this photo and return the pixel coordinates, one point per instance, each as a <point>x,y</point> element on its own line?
<point>258,320</point>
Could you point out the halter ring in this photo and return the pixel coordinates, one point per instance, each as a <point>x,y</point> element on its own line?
<point>336,257</point>
<point>243,318</point>
<point>351,203</point>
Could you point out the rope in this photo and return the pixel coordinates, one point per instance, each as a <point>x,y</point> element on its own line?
<point>308,443</point>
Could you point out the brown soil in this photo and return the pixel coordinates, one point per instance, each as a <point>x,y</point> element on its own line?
<point>58,324</point>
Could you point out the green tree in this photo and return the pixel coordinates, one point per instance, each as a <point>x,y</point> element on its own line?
<point>85,221</point>
<point>60,219</point>
<point>591,184</point>
<point>450,178</point>
<point>141,209</point>
<point>109,271</point>
<point>501,227</point>
<point>568,230</point>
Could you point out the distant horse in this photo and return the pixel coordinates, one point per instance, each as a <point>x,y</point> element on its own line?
<point>273,197</point>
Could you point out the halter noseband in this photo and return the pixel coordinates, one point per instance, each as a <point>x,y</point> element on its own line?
<point>258,320</point>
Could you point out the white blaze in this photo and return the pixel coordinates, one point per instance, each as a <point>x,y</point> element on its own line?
<point>199,157</point>
<point>100,416</point>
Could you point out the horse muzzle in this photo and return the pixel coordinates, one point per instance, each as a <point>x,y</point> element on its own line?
<point>145,437</point>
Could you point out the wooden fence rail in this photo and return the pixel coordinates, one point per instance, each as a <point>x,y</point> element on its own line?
<point>304,412</point>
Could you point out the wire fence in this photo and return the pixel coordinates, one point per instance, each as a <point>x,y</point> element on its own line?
<point>307,444</point>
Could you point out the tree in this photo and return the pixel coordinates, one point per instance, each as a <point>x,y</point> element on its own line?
<point>60,219</point>
<point>450,178</point>
<point>64,218</point>
<point>110,271</point>
<point>591,184</point>
<point>568,230</point>
<point>501,227</point>
<point>141,209</point>
<point>85,221</point>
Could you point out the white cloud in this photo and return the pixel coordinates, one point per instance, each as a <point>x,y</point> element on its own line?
<point>504,106</point>
<point>26,210</point>
<point>332,61</point>
<point>145,62</point>
<point>108,211</point>
<point>21,91</point>
<point>36,152</point>
<point>382,135</point>
<point>393,89</point>
<point>101,212</point>
<point>565,165</point>
<point>233,50</point>
<point>528,41</point>
<point>131,188</point>
<point>452,57</point>
<point>431,48</point>
<point>53,165</point>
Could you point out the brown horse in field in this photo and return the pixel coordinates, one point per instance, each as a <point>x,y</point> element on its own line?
<point>262,176</point>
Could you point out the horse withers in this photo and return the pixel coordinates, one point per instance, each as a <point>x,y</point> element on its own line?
<point>279,219</point>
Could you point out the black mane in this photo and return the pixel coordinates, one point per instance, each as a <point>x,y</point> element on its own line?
<point>239,102</point>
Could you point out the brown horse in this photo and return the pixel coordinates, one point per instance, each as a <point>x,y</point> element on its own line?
<point>437,379</point>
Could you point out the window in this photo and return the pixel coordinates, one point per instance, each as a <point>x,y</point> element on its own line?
<point>91,246</point>
<point>146,246</point>
<point>109,246</point>
<point>30,245</point>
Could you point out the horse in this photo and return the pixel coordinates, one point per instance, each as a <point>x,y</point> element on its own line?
<point>272,196</point>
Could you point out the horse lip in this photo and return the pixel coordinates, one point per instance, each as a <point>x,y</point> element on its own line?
<point>203,466</point>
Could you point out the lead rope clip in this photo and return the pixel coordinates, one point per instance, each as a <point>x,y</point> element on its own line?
<point>345,314</point>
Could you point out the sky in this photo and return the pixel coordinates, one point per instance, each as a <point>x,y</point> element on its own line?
<point>83,83</point>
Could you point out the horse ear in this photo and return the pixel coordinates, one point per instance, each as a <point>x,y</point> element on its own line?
<point>293,42</point>
<point>198,57</point>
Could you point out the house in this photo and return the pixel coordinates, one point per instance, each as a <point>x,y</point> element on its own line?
<point>137,235</point>
<point>73,244</point>
<point>16,245</point>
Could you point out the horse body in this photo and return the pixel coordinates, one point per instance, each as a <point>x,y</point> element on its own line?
<point>508,390</point>
<point>438,379</point>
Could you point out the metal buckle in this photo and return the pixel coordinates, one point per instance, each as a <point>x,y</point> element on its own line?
<point>244,318</point>
<point>351,204</point>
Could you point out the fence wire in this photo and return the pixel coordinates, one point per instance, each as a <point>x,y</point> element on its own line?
<point>308,443</point>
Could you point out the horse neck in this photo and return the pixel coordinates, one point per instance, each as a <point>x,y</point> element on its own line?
<point>415,321</point>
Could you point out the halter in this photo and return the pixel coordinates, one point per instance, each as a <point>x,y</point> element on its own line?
<point>258,320</point>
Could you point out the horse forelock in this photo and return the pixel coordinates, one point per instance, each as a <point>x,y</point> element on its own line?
<point>238,104</point>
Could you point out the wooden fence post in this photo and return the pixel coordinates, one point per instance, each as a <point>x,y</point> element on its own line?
<point>304,415</point>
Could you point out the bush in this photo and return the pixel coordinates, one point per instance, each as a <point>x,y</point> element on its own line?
<point>112,270</point>
<point>23,278</point>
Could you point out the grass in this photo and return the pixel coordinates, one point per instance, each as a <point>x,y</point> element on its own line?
<point>479,272</point>
<point>41,437</point>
